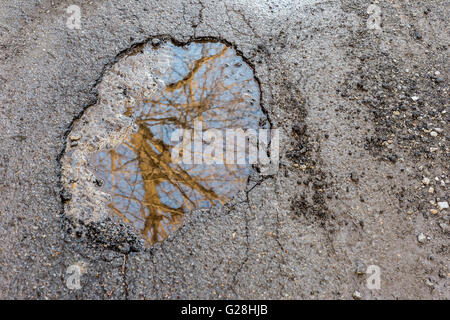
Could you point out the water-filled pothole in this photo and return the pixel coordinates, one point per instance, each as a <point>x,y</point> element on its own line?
<point>119,157</point>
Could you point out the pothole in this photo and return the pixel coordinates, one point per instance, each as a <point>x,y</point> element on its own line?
<point>119,158</point>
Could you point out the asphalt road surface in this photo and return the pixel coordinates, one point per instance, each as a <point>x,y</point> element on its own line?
<point>361,101</point>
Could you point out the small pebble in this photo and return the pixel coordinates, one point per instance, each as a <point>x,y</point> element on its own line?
<point>75,137</point>
<point>156,41</point>
<point>354,177</point>
<point>421,238</point>
<point>357,295</point>
<point>360,267</point>
<point>418,35</point>
<point>433,133</point>
<point>426,181</point>
<point>443,205</point>
<point>429,283</point>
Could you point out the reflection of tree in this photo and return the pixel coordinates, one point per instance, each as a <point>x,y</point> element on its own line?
<point>150,190</point>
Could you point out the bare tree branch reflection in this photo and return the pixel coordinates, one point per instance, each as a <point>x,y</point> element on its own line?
<point>208,82</point>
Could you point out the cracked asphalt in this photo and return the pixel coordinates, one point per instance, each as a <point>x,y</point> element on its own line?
<point>361,175</point>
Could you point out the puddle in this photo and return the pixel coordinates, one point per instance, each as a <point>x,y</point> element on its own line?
<point>119,153</point>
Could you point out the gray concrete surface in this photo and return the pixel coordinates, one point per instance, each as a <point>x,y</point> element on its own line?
<point>356,147</point>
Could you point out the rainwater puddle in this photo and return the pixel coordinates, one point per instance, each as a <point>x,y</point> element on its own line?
<point>132,167</point>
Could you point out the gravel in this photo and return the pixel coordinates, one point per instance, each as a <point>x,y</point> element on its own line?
<point>327,82</point>
<point>421,238</point>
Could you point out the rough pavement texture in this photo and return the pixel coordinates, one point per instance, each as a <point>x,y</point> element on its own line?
<point>356,109</point>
